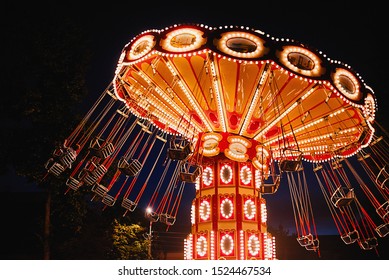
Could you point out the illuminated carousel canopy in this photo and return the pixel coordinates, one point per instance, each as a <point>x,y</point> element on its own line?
<point>245,93</point>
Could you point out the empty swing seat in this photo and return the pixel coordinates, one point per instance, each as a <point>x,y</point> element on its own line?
<point>368,243</point>
<point>383,210</point>
<point>270,188</point>
<point>100,149</point>
<point>89,179</point>
<point>187,176</point>
<point>55,168</point>
<point>382,178</point>
<point>342,197</point>
<point>305,240</point>
<point>107,150</point>
<point>109,200</point>
<point>314,246</point>
<point>100,190</point>
<point>350,237</point>
<point>68,158</point>
<point>73,183</point>
<point>167,219</point>
<point>382,230</point>
<point>291,165</point>
<point>92,176</point>
<point>179,150</point>
<point>152,216</point>
<point>131,168</point>
<point>129,204</point>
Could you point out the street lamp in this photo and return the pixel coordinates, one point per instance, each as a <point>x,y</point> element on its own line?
<point>149,236</point>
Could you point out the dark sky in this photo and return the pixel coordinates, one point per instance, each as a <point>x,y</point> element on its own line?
<point>353,33</point>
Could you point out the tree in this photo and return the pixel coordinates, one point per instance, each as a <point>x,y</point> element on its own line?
<point>128,241</point>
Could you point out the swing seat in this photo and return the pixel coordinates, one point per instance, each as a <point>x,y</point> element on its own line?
<point>167,219</point>
<point>350,237</point>
<point>131,168</point>
<point>99,171</point>
<point>179,151</point>
<point>106,151</point>
<point>291,165</point>
<point>152,216</point>
<point>68,158</point>
<point>287,165</point>
<point>56,168</point>
<point>305,240</point>
<point>90,177</point>
<point>58,152</point>
<point>341,199</point>
<point>314,246</point>
<point>109,200</point>
<point>190,177</point>
<point>99,149</point>
<point>368,243</point>
<point>382,178</point>
<point>383,210</point>
<point>99,189</point>
<point>382,230</point>
<point>129,204</point>
<point>270,188</point>
<point>73,183</point>
<point>49,163</point>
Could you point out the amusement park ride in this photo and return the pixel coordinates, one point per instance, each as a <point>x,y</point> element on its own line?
<point>234,113</point>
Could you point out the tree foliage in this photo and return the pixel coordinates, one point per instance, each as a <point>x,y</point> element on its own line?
<point>128,241</point>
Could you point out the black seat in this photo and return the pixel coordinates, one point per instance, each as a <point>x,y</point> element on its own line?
<point>179,149</point>
<point>289,164</point>
<point>270,188</point>
<point>342,197</point>
<point>129,204</point>
<point>129,168</point>
<point>189,172</point>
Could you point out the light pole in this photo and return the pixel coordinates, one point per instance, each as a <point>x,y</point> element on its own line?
<point>149,236</point>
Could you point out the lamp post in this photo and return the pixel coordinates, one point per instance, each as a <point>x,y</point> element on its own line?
<point>149,236</point>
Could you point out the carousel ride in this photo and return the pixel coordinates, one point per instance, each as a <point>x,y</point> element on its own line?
<point>234,113</point>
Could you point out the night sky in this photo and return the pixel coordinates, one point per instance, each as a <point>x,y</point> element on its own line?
<point>352,33</point>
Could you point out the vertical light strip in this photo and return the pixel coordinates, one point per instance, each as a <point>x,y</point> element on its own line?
<point>241,244</point>
<point>185,249</point>
<point>189,250</point>
<point>266,254</point>
<point>212,245</point>
<point>221,110</point>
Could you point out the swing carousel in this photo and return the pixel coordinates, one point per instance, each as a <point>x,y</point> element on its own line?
<point>234,113</point>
